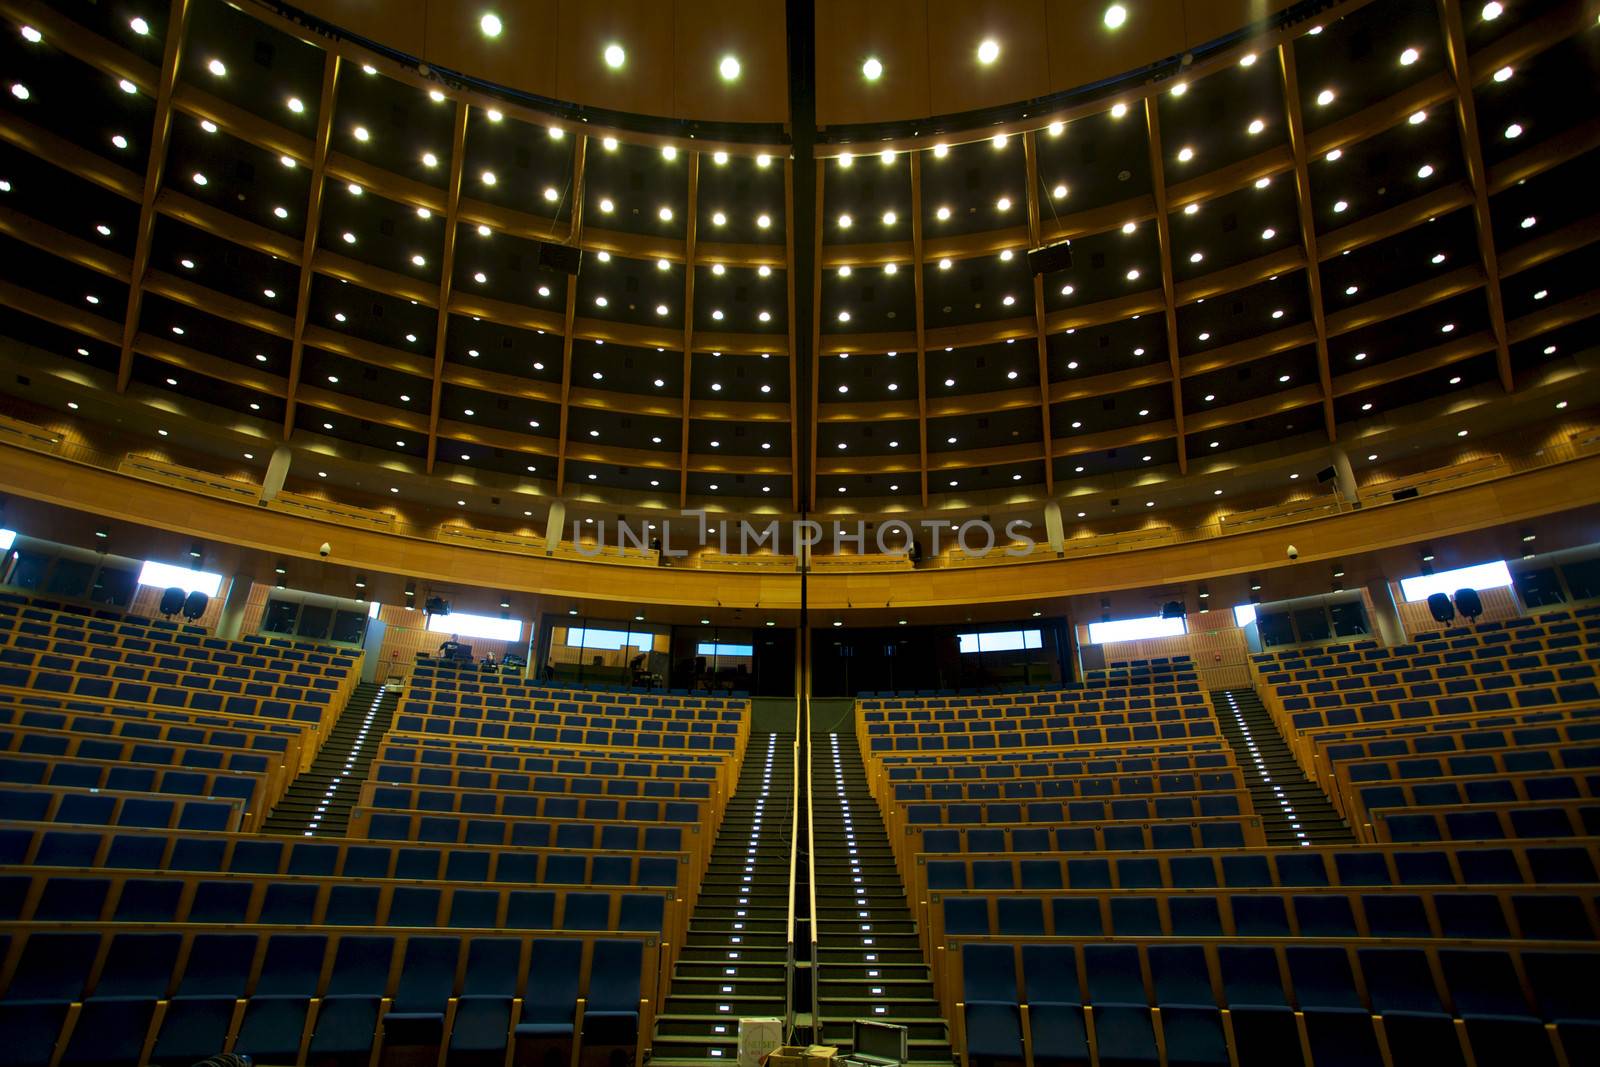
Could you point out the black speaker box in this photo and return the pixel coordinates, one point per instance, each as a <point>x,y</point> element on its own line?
<point>563,258</point>
<point>1051,258</point>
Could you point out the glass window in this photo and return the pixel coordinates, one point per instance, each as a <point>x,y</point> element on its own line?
<point>348,626</point>
<point>314,620</point>
<point>165,576</point>
<point>1492,575</point>
<point>1312,623</point>
<point>70,577</point>
<point>718,648</point>
<point>1244,614</point>
<point>1276,628</point>
<point>1541,588</point>
<point>1133,629</point>
<point>30,568</point>
<point>1583,578</point>
<point>280,616</point>
<point>7,539</point>
<point>1349,618</point>
<point>114,586</point>
<point>485,626</point>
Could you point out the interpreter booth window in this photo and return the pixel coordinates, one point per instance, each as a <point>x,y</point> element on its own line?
<point>714,659</point>
<point>1541,588</point>
<point>608,652</point>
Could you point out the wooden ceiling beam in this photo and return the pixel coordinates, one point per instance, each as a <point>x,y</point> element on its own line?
<point>816,329</point>
<point>308,247</point>
<point>1030,157</point>
<point>1308,227</point>
<point>690,234</point>
<point>154,174</point>
<point>917,263</point>
<point>1460,64</point>
<point>447,261</point>
<point>1169,288</point>
<point>794,361</point>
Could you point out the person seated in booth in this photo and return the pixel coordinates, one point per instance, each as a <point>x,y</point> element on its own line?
<point>489,664</point>
<point>454,649</point>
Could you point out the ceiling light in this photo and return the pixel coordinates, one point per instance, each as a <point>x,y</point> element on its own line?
<point>872,69</point>
<point>1339,206</point>
<point>729,68</point>
<point>1408,57</point>
<point>418,261</point>
<point>490,24</point>
<point>1513,131</point>
<point>1461,433</point>
<point>988,51</point>
<point>615,56</point>
<point>887,155</point>
<point>719,219</point>
<point>429,159</point>
<point>1268,234</point>
<point>1492,10</point>
<point>1503,74</point>
<point>1003,204</point>
<point>1325,97</point>
<point>361,133</point>
<point>1118,110</point>
<point>846,159</point>
<point>665,214</point>
<point>1185,154</point>
<point>205,124</point>
<point>436,96</point>
<point>199,179</point>
<point>1256,126</point>
<point>940,151</point>
<point>1180,88</point>
<point>139,26</point>
<point>1263,182</point>
<point>1333,155</point>
<point>1529,222</point>
<point>119,140</point>
<point>944,264</point>
<point>1115,16</point>
<point>716,268</point>
<point>1417,118</point>
<point>1133,275</point>
<point>217,67</point>
<point>1067,290</point>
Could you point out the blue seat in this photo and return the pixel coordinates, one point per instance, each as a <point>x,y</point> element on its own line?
<point>1123,1028</point>
<point>1401,987</point>
<point>275,1017</point>
<point>483,1011</point>
<point>1264,1030</point>
<point>611,1010</point>
<point>549,1004</point>
<point>200,1013</point>
<point>111,1028</point>
<point>1191,1022</point>
<point>993,1019</point>
<point>50,976</point>
<point>427,978</point>
<point>348,1019</point>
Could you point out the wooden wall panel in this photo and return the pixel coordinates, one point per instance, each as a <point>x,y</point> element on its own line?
<point>147,604</point>
<point>404,636</point>
<point>753,30</point>
<point>895,32</point>
<point>522,57</point>
<point>955,29</point>
<point>1416,618</point>
<point>398,24</point>
<point>1215,643</point>
<point>644,29</point>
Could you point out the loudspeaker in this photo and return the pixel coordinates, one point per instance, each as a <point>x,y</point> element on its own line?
<point>194,605</point>
<point>436,606</point>
<point>1173,609</point>
<point>1327,474</point>
<point>1439,604</point>
<point>171,601</point>
<point>1050,258</point>
<point>1469,603</point>
<point>1405,494</point>
<point>563,258</point>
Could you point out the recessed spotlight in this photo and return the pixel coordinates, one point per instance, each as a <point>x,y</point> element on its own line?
<point>615,56</point>
<point>1118,110</point>
<point>988,51</point>
<point>1513,131</point>
<point>665,214</point>
<point>729,68</point>
<point>872,69</point>
<point>1425,171</point>
<point>217,67</point>
<point>1268,234</point>
<point>1504,74</point>
<point>139,26</point>
<point>1529,222</point>
<point>1492,10</point>
<point>1325,98</point>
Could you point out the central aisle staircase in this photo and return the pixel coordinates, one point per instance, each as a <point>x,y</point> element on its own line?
<point>871,961</point>
<point>1293,809</point>
<point>318,802</point>
<point>732,962</point>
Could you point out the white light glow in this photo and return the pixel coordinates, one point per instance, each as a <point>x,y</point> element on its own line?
<point>166,576</point>
<point>1495,575</point>
<point>1133,629</point>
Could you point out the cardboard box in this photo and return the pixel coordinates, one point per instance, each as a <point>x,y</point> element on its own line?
<point>757,1037</point>
<point>802,1056</point>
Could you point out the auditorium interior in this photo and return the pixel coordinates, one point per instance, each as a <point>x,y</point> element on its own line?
<point>962,533</point>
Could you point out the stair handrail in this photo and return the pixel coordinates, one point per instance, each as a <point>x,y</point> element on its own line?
<point>794,866</point>
<point>811,881</point>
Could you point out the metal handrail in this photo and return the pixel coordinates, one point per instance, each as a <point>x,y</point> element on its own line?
<point>811,876</point>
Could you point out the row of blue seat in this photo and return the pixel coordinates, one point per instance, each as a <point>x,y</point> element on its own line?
<point>154,850</point>
<point>1053,813</point>
<point>248,900</point>
<point>1184,701</point>
<point>533,805</point>
<point>617,735</point>
<point>446,752</point>
<point>1085,786</point>
<point>1034,721</point>
<point>288,995</point>
<point>1484,864</point>
<point>1270,992</point>
<point>379,825</point>
<point>20,803</point>
<point>1036,739</point>
<point>1545,916</point>
<point>1009,766</point>
<point>162,670</point>
<point>591,784</point>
